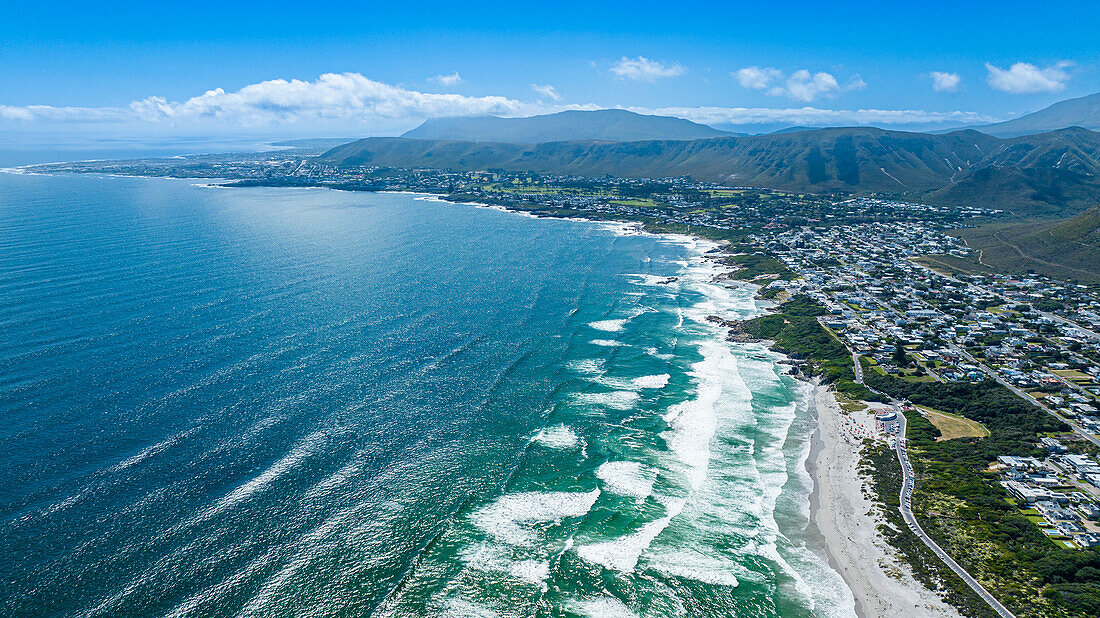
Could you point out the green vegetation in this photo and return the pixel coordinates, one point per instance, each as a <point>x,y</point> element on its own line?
<point>753,265</point>
<point>962,507</point>
<point>797,333</point>
<point>881,465</point>
<point>1014,424</point>
<point>953,265</point>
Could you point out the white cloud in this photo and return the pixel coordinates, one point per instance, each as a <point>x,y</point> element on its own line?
<point>944,82</point>
<point>1025,78</point>
<point>804,86</point>
<point>546,91</point>
<point>354,102</point>
<point>800,86</point>
<point>447,80</point>
<point>345,96</point>
<point>756,78</point>
<point>812,116</point>
<point>643,69</point>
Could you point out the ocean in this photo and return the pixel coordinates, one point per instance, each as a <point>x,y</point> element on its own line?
<point>309,402</point>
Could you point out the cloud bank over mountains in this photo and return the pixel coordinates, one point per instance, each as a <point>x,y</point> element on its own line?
<point>355,102</point>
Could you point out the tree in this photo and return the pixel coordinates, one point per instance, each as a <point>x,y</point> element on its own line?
<point>901,359</point>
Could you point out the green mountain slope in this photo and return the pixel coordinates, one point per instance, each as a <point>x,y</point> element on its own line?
<point>610,125</point>
<point>1049,175</point>
<point>857,159</point>
<point>1067,249</point>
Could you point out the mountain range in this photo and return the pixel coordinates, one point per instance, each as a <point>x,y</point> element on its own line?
<point>1049,174</point>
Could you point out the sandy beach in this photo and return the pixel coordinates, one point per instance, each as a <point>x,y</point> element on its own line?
<point>882,584</point>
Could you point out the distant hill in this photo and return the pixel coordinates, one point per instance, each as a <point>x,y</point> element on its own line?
<point>607,125</point>
<point>1066,249</point>
<point>1082,112</point>
<point>1048,175</point>
<point>792,130</point>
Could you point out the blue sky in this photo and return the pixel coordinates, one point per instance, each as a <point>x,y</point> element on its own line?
<point>143,68</point>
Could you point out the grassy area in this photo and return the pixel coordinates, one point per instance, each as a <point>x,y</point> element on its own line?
<point>726,192</point>
<point>953,426</point>
<point>639,202</point>
<point>849,405</point>
<point>908,377</point>
<point>952,265</point>
<point>1074,375</point>
<point>881,465</point>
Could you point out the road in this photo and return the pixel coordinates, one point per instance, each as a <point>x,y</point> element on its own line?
<point>906,496</point>
<point>1050,316</point>
<point>1026,396</point>
<point>1071,324</point>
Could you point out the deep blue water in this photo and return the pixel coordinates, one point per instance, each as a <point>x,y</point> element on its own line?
<point>279,401</point>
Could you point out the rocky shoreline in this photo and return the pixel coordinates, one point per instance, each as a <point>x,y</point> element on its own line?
<point>737,332</point>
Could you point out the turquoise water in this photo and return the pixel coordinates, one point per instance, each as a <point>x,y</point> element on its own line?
<point>292,402</point>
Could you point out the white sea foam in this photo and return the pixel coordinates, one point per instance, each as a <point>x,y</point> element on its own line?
<point>700,567</point>
<point>512,517</point>
<point>609,326</point>
<point>692,423</point>
<point>616,400</point>
<point>463,608</point>
<point>657,381</point>
<point>627,478</point>
<point>587,366</point>
<point>602,607</point>
<point>608,343</point>
<point>657,354</point>
<point>497,559</point>
<point>632,384</point>
<point>532,571</point>
<point>622,553</point>
<point>556,437</point>
<point>645,279</point>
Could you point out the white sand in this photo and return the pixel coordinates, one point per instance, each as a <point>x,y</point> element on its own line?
<point>881,583</point>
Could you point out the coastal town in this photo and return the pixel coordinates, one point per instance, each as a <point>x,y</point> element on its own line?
<point>947,374</point>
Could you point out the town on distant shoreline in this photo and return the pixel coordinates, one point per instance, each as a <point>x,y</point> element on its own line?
<point>987,382</point>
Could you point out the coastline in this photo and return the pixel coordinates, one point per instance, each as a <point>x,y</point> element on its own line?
<point>848,529</point>
<point>843,531</point>
<point>842,528</point>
